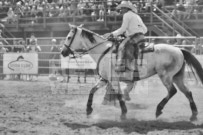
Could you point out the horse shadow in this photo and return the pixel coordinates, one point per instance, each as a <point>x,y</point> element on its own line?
<point>142,127</point>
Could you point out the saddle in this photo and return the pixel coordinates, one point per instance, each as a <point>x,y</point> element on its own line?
<point>133,50</point>
<point>143,46</point>
<point>146,48</point>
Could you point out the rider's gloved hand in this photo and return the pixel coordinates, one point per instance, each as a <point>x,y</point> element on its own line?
<point>108,36</point>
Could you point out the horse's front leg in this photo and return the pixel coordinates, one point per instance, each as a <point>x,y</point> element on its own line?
<point>121,102</point>
<point>123,106</point>
<point>98,85</point>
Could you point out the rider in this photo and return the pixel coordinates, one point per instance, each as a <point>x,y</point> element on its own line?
<point>134,30</point>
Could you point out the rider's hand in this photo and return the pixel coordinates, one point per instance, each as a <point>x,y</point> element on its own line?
<point>108,35</point>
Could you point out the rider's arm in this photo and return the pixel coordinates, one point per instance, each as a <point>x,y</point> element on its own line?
<point>122,29</point>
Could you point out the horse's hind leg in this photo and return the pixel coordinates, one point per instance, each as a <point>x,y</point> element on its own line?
<point>167,81</point>
<point>179,81</point>
<point>100,84</point>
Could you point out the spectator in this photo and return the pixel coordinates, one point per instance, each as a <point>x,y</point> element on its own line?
<point>194,47</point>
<point>19,46</point>
<point>31,2</point>
<point>63,71</point>
<point>54,10</point>
<point>33,39</point>
<point>185,43</point>
<point>11,16</point>
<point>23,45</point>
<point>178,39</point>
<point>189,6</point>
<point>54,58</point>
<point>87,10</point>
<point>146,7</point>
<point>199,46</point>
<point>200,5</point>
<point>3,40</point>
<point>2,51</point>
<point>33,48</point>
<point>27,10</point>
<point>101,12</point>
<point>179,12</point>
<point>93,14</point>
<point>33,11</point>
<point>80,7</point>
<point>19,10</point>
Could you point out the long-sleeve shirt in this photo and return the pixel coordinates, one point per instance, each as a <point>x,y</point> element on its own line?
<point>132,23</point>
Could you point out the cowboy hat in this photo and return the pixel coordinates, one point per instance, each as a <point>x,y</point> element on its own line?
<point>53,40</point>
<point>127,4</point>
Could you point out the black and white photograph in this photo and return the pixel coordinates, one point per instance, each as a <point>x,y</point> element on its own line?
<point>101,67</point>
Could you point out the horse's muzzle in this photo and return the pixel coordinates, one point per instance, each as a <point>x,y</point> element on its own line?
<point>66,51</point>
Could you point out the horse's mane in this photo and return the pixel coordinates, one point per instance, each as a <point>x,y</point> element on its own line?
<point>90,35</point>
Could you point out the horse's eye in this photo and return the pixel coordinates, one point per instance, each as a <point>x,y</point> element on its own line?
<point>69,38</point>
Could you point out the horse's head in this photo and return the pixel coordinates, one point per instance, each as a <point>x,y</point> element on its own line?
<point>72,41</point>
<point>80,40</point>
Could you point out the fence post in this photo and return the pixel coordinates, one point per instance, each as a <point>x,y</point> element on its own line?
<point>196,46</point>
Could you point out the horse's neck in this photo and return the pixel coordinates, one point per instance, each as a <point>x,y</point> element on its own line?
<point>100,46</point>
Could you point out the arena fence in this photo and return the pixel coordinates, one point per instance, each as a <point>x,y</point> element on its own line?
<point>24,62</point>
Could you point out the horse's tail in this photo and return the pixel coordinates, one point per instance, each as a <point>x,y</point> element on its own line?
<point>193,63</point>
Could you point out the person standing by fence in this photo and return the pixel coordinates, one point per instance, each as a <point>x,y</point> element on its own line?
<point>2,51</point>
<point>33,48</point>
<point>54,58</point>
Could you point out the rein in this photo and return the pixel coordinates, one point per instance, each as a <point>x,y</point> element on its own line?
<point>86,51</point>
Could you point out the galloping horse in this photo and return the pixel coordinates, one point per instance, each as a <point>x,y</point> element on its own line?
<point>166,61</point>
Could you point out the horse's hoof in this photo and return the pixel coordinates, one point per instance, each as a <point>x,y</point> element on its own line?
<point>89,111</point>
<point>193,118</point>
<point>158,113</point>
<point>123,117</point>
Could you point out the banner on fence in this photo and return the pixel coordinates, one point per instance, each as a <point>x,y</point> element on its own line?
<point>84,62</point>
<point>20,63</point>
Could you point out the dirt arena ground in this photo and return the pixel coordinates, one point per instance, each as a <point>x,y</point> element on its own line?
<point>37,108</point>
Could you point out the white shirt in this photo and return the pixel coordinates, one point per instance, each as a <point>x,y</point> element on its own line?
<point>132,23</point>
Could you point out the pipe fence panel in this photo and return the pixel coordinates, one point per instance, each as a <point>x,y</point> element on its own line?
<point>49,61</point>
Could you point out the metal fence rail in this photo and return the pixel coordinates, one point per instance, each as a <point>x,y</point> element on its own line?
<point>195,45</point>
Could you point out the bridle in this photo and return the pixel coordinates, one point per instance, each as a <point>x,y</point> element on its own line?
<point>85,51</point>
<point>68,46</point>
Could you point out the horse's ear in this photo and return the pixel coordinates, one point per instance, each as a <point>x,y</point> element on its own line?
<point>81,25</point>
<point>70,25</point>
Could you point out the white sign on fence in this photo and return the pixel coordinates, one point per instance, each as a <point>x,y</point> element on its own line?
<point>84,62</point>
<point>20,63</point>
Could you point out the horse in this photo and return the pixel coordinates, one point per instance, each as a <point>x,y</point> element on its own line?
<point>167,61</point>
